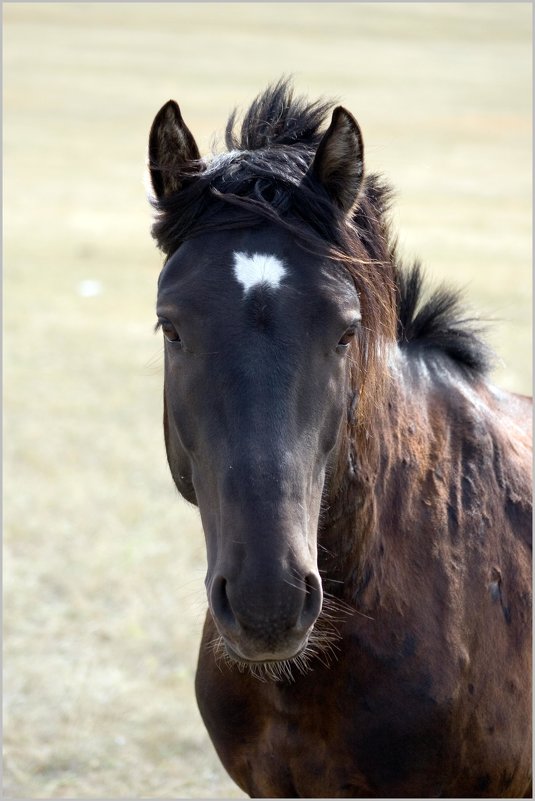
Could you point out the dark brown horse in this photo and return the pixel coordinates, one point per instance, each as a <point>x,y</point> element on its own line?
<point>364,490</point>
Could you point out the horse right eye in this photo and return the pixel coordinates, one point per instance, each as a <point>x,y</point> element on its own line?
<point>169,331</point>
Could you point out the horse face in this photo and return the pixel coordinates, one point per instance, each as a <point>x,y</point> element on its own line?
<point>257,333</point>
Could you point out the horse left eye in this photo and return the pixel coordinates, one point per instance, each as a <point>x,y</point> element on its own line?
<point>346,338</point>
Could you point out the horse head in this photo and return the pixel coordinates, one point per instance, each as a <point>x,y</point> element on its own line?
<point>261,325</point>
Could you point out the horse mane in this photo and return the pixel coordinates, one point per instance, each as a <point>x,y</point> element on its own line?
<point>264,176</point>
<point>437,324</point>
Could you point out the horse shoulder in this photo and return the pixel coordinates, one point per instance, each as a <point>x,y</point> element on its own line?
<point>511,430</point>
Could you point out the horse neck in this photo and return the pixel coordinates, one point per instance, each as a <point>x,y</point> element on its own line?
<point>346,536</point>
<point>367,459</point>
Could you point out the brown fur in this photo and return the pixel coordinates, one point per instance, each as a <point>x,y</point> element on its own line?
<point>430,693</point>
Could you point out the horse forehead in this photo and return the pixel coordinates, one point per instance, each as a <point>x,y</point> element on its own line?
<point>225,272</point>
<point>258,269</point>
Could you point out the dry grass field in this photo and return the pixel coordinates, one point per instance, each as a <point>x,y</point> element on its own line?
<point>104,564</point>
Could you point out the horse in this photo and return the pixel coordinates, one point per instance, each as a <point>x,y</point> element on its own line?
<point>364,489</point>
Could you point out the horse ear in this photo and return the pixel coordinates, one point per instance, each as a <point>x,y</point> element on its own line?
<point>172,149</point>
<point>339,161</point>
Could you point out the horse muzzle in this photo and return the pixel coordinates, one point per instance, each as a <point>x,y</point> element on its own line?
<point>263,620</point>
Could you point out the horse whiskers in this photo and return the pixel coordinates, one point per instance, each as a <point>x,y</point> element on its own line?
<point>155,362</point>
<point>297,586</point>
<point>215,644</point>
<point>335,609</point>
<point>337,605</point>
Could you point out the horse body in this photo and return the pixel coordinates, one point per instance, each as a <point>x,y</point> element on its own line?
<point>364,490</point>
<point>429,693</point>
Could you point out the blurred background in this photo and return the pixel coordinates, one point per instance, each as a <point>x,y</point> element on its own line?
<point>104,564</point>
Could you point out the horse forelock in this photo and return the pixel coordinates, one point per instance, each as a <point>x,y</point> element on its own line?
<point>278,117</point>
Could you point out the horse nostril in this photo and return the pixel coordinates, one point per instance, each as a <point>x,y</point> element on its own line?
<point>219,602</point>
<point>313,600</point>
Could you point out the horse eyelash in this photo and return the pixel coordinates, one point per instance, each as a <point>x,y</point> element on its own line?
<point>157,326</point>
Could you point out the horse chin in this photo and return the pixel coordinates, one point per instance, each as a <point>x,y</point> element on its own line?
<point>281,665</point>
<point>254,656</point>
